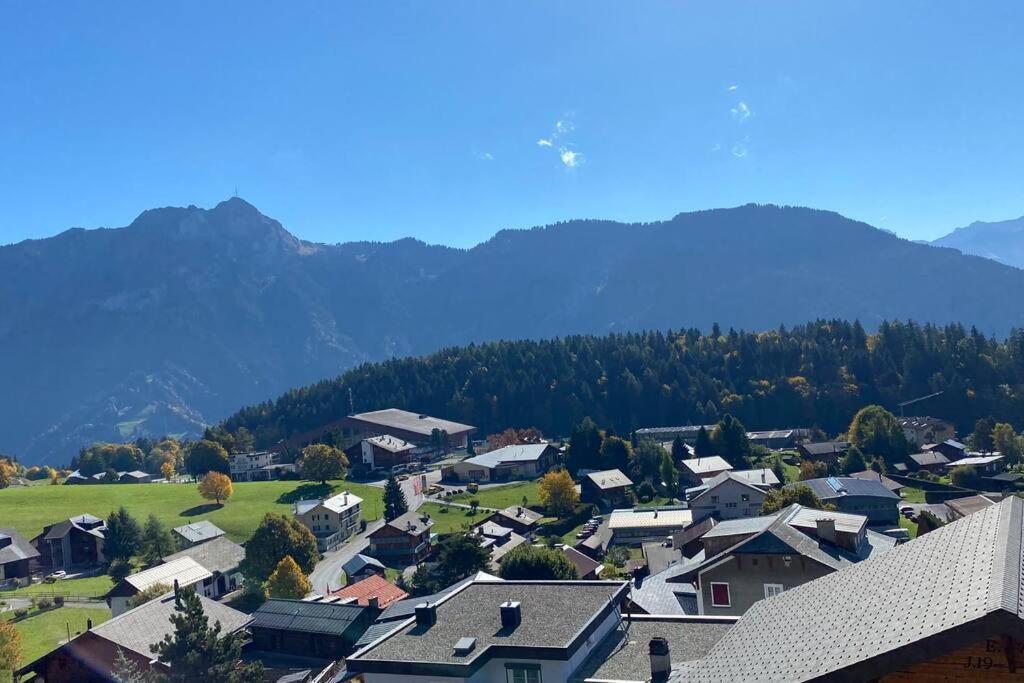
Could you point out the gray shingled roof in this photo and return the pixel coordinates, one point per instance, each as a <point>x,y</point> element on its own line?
<point>220,554</point>
<point>19,548</point>
<point>876,616</point>
<point>147,624</point>
<point>553,614</point>
<point>359,562</point>
<point>657,594</point>
<point>330,618</point>
<point>406,608</point>
<point>623,655</point>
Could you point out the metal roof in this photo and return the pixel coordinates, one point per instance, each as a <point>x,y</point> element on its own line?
<point>712,463</point>
<point>636,518</point>
<point>360,562</point>
<point>203,530</point>
<point>306,616</point>
<point>825,447</point>
<point>758,477</point>
<point>872,618</point>
<point>926,458</point>
<point>411,422</point>
<point>738,527</point>
<point>668,430</point>
<point>220,554</point>
<point>524,452</point>
<point>609,479</point>
<point>390,443</point>
<point>186,570</point>
<point>976,460</point>
<point>831,488</point>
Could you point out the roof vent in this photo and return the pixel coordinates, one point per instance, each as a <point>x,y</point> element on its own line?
<point>661,659</point>
<point>511,615</point>
<point>426,614</point>
<point>464,646</point>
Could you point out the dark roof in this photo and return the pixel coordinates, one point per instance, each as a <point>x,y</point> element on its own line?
<point>416,423</point>
<point>19,548</point>
<point>328,618</point>
<point>554,615</point>
<point>825,447</point>
<point>359,562</point>
<point>220,554</point>
<point>584,565</point>
<point>85,523</point>
<point>406,608</point>
<point>623,655</point>
<point>875,476</point>
<point>658,594</point>
<point>378,630</point>
<point>782,537</point>
<point>830,488</point>
<point>874,617</point>
<point>410,522</point>
<point>928,458</point>
<point>1008,477</point>
<point>969,504</point>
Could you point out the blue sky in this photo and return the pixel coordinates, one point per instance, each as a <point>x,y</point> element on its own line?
<point>449,121</point>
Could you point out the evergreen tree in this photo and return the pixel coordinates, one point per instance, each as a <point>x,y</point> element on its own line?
<point>703,448</point>
<point>123,536</point>
<point>730,441</point>
<point>584,447</point>
<point>197,651</point>
<point>853,461</point>
<point>615,454</point>
<point>981,438</point>
<point>156,542</point>
<point>679,451</point>
<point>395,504</point>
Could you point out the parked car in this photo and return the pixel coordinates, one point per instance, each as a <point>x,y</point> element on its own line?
<point>55,576</point>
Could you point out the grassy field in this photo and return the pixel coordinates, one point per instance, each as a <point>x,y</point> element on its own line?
<point>29,509</point>
<point>911,527</point>
<point>44,632</point>
<point>451,521</point>
<point>89,587</point>
<point>501,497</point>
<point>912,495</point>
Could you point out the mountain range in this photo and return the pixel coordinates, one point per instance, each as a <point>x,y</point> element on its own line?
<point>1001,241</point>
<point>187,314</point>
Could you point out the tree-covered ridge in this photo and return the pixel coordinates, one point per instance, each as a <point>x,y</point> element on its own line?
<point>818,374</point>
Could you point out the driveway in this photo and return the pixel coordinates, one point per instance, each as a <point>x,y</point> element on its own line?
<point>327,573</point>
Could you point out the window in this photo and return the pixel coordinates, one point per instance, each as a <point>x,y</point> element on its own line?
<point>730,505</point>
<point>771,589</point>
<point>720,595</point>
<point>714,499</point>
<point>745,497</point>
<point>523,673</point>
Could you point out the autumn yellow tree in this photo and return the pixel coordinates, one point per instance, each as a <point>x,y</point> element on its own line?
<point>7,472</point>
<point>167,470</point>
<point>558,492</point>
<point>287,580</point>
<point>216,486</point>
<point>10,646</point>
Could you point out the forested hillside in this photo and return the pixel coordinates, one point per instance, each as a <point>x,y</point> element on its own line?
<point>817,374</point>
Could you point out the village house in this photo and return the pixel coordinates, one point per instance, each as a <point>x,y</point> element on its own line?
<point>747,560</point>
<point>258,466</point>
<point>89,657</point>
<point>332,520</point>
<point>317,629</point>
<point>871,475</point>
<point>497,539</point>
<point>984,465</point>
<point>856,624</point>
<point>775,439</point>
<point>926,430</point>
<point>726,496</point>
<point>519,519</point>
<point>405,540</point>
<point>71,543</point>
<point>220,556</point>
<point>16,556</point>
<point>519,461</point>
<point>929,461</point>
<point>607,487</point>
<point>587,569</point>
<point>762,478</point>
<point>695,470</point>
<point>858,496</point>
<point>634,526</point>
<point>361,566</point>
<point>687,434</point>
<point>195,533</point>
<point>383,452</point>
<point>823,451</point>
<point>416,428</point>
<point>180,572</point>
<point>951,448</point>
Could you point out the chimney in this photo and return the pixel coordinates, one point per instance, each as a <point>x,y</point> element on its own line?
<point>177,595</point>
<point>519,511</point>
<point>826,530</point>
<point>762,476</point>
<point>661,660</point>
<point>511,615</point>
<point>426,614</point>
<point>373,602</point>
<point>88,624</point>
